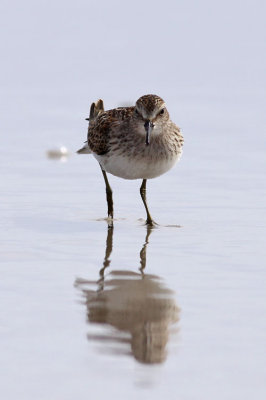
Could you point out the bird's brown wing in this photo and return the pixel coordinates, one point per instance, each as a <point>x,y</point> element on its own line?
<point>100,128</point>
<point>98,133</point>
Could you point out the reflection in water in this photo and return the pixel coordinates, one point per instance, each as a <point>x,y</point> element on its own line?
<point>136,304</point>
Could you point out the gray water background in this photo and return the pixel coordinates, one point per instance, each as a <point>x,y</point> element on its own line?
<point>207,60</point>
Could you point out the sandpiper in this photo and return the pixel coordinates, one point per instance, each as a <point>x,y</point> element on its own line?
<point>138,142</point>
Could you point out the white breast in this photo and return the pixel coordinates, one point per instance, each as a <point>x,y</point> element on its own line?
<point>130,168</point>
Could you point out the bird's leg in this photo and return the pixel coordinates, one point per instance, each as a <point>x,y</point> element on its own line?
<point>109,198</point>
<point>142,190</point>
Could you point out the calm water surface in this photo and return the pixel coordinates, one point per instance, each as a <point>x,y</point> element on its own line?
<point>147,312</point>
<point>173,312</point>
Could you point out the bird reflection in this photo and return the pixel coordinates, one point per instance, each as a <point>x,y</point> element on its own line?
<point>136,304</point>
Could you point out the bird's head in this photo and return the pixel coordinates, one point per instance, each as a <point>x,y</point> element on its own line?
<point>151,111</point>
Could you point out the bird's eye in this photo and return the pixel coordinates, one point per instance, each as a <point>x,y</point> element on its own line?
<point>161,112</point>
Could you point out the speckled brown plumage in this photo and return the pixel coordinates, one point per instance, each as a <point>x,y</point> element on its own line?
<point>117,130</point>
<point>103,124</point>
<point>138,142</point>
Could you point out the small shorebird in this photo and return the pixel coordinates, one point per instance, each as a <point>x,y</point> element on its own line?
<point>139,142</point>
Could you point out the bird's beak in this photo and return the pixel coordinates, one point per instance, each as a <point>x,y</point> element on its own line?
<point>148,128</point>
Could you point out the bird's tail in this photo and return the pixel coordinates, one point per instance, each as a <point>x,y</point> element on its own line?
<point>85,149</point>
<point>95,110</point>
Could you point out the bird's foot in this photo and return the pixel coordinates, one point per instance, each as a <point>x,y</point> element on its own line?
<point>151,223</point>
<point>110,221</point>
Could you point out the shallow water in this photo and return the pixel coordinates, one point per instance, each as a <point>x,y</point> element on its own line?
<point>178,311</point>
